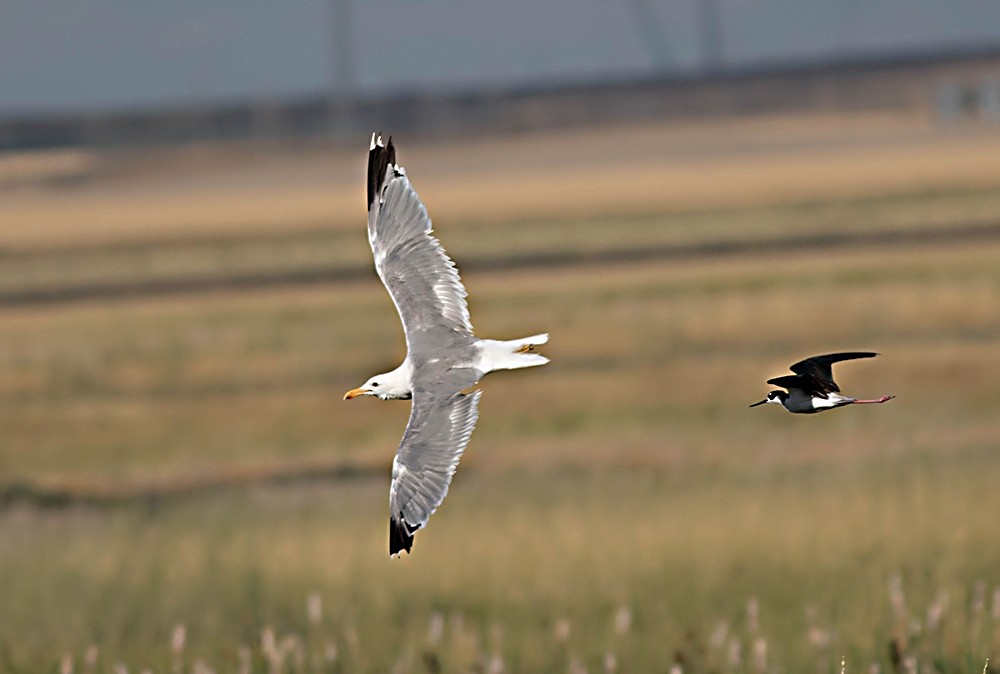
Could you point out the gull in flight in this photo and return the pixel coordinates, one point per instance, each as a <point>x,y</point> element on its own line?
<point>812,389</point>
<point>444,358</point>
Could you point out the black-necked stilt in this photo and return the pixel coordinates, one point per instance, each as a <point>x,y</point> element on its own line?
<point>812,389</point>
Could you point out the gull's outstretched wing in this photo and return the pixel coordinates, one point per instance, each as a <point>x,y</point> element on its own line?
<point>820,368</point>
<point>420,277</point>
<point>438,431</point>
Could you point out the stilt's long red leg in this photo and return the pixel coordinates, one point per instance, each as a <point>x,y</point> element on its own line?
<point>880,400</point>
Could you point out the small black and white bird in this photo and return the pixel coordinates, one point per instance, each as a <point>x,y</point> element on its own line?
<point>812,389</point>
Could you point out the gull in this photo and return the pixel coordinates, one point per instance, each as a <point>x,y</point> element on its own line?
<point>812,389</point>
<point>444,359</point>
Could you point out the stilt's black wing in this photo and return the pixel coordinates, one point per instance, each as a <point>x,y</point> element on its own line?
<point>820,368</point>
<point>790,381</point>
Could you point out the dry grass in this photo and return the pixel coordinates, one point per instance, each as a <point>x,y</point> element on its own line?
<point>682,553</point>
<point>626,483</point>
<point>146,385</point>
<point>575,174</point>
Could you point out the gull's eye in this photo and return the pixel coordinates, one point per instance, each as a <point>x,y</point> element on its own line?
<point>374,383</point>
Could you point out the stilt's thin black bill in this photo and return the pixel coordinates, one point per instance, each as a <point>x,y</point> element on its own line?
<point>760,403</point>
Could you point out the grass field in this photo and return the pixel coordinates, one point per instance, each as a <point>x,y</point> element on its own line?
<point>183,488</point>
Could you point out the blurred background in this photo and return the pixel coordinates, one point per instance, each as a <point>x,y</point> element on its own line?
<point>687,195</point>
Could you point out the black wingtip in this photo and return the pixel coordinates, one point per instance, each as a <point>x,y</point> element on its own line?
<point>400,537</point>
<point>381,155</point>
<point>842,356</point>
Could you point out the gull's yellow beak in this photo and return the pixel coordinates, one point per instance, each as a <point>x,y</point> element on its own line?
<point>354,393</point>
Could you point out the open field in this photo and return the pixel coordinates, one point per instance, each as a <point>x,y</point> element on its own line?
<point>203,192</point>
<point>184,458</point>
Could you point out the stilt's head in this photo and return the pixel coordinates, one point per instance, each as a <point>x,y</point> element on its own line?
<point>393,385</point>
<point>775,397</point>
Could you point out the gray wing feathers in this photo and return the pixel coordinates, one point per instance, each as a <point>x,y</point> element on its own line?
<point>429,296</point>
<point>436,435</point>
<point>420,277</point>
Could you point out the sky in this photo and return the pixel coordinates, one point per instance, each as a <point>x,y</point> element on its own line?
<point>83,55</point>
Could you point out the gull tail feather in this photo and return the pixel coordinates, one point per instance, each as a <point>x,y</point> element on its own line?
<point>511,354</point>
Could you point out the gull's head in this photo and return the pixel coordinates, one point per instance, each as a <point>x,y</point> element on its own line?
<point>774,397</point>
<point>393,385</point>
